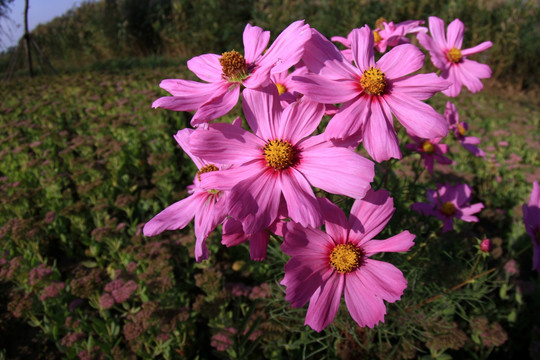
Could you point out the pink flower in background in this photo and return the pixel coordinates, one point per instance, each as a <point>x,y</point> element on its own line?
<point>449,202</point>
<point>430,150</point>
<point>206,206</point>
<point>280,159</point>
<point>485,245</point>
<point>224,74</point>
<point>52,291</point>
<point>531,218</point>
<point>324,266</point>
<point>372,92</point>
<point>460,129</point>
<point>446,54</point>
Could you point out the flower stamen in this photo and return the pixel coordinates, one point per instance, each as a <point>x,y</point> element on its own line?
<point>205,169</point>
<point>377,38</point>
<point>346,258</point>
<point>380,23</point>
<point>234,66</point>
<point>461,130</point>
<point>448,208</point>
<point>428,147</point>
<point>279,154</point>
<point>373,81</point>
<point>454,55</point>
<point>281,88</point>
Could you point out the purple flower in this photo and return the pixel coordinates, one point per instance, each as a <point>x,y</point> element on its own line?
<point>430,150</point>
<point>449,202</point>
<point>460,129</point>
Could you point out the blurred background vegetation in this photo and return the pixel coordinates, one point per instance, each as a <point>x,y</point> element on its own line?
<point>172,31</point>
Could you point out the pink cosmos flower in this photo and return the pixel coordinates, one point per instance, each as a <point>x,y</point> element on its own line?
<point>531,218</point>
<point>278,159</point>
<point>224,74</point>
<point>460,129</point>
<point>449,202</point>
<point>326,265</point>
<point>430,150</point>
<point>372,92</point>
<point>206,206</point>
<point>446,54</point>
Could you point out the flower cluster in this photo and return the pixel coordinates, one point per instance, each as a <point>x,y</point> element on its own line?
<point>267,179</point>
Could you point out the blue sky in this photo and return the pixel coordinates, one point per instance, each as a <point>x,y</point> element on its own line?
<point>40,12</point>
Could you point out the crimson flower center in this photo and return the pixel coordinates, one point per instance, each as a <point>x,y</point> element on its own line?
<point>346,258</point>
<point>428,147</point>
<point>373,81</point>
<point>448,208</point>
<point>279,154</point>
<point>233,65</point>
<point>454,55</point>
<point>205,169</point>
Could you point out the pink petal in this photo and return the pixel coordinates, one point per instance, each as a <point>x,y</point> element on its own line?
<point>469,210</point>
<point>455,34</point>
<point>436,28</point>
<point>302,205</point>
<point>302,279</point>
<point>326,91</point>
<point>227,179</point>
<point>534,199</point>
<point>379,136</point>
<point>306,241</point>
<point>218,106</point>
<point>335,221</point>
<point>233,233</point>
<point>419,118</point>
<point>362,48</point>
<point>258,245</point>
<point>299,120</point>
<point>206,67</point>
<point>318,51</point>
<point>453,75</point>
<point>384,279</point>
<point>438,58</point>
<point>337,170</point>
<point>365,308</point>
<point>461,192</point>
<point>324,303</point>
<point>350,119</point>
<point>187,95</point>
<point>420,86</point>
<point>476,49</point>
<point>471,72</point>
<point>400,61</point>
<point>226,144</point>
<point>176,216</point>
<point>397,243</point>
<point>255,201</point>
<point>208,216</point>
<point>262,111</point>
<point>288,47</point>
<point>370,215</point>
<point>255,42</point>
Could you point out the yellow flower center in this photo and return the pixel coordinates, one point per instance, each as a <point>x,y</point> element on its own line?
<point>279,154</point>
<point>376,37</point>
<point>428,147</point>
<point>454,55</point>
<point>373,81</point>
<point>379,23</point>
<point>448,208</point>
<point>281,89</point>
<point>461,130</point>
<point>346,258</point>
<point>205,169</point>
<point>233,65</point>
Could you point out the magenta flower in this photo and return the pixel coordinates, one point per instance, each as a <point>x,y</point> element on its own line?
<point>224,74</point>
<point>430,150</point>
<point>460,129</point>
<point>485,245</point>
<point>278,159</point>
<point>449,202</point>
<point>531,218</point>
<point>446,54</point>
<point>326,265</point>
<point>372,92</point>
<point>206,206</point>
